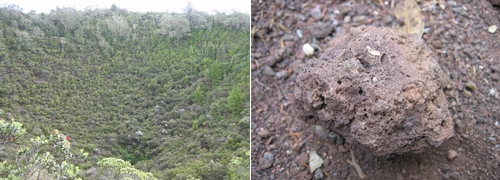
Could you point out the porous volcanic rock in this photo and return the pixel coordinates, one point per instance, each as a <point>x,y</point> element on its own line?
<point>379,88</point>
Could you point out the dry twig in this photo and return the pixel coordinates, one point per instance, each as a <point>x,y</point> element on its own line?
<point>356,166</point>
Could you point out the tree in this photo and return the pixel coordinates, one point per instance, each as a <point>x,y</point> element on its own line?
<point>10,131</point>
<point>43,158</point>
<point>197,19</point>
<point>215,73</point>
<point>174,25</point>
<point>68,17</point>
<point>198,95</point>
<point>234,100</point>
<point>195,125</point>
<point>238,168</point>
<point>119,26</point>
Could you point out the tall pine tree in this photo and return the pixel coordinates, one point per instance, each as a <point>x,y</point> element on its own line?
<point>234,100</point>
<point>215,73</point>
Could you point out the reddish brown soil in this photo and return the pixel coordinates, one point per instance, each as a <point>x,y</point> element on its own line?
<point>457,34</point>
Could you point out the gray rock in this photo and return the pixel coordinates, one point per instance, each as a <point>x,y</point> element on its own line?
<point>269,156</point>
<point>321,29</point>
<point>316,12</point>
<point>288,37</point>
<point>318,174</point>
<point>452,154</point>
<point>264,133</point>
<point>359,18</point>
<point>452,3</point>
<point>388,19</point>
<point>268,71</point>
<point>457,9</point>
<point>445,168</point>
<point>264,163</point>
<point>303,158</point>
<point>281,74</point>
<point>321,132</point>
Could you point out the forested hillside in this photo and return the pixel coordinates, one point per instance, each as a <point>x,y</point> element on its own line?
<point>167,92</point>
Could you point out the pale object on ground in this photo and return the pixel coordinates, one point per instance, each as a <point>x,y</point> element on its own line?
<point>492,29</point>
<point>373,51</point>
<point>308,49</point>
<point>356,166</point>
<point>409,12</point>
<point>314,161</point>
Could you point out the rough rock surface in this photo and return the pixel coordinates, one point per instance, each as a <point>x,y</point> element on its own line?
<point>495,2</point>
<point>379,88</point>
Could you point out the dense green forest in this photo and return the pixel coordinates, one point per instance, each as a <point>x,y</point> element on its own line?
<point>163,93</point>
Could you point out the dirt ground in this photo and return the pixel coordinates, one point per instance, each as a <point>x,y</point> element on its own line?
<point>456,31</point>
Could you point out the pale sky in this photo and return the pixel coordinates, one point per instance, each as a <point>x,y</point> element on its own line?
<point>133,5</point>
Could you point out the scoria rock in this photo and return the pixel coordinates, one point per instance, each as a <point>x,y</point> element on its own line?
<point>380,89</point>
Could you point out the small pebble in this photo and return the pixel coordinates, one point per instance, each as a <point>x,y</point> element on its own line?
<point>471,86</point>
<point>359,18</point>
<point>347,19</point>
<point>452,154</point>
<point>457,9</point>
<point>320,131</point>
<point>268,156</point>
<point>281,74</point>
<point>299,33</point>
<point>303,158</point>
<point>492,29</point>
<point>264,133</point>
<point>316,12</point>
<point>388,19</point>
<point>308,49</point>
<point>445,168</point>
<point>272,146</point>
<point>318,174</point>
<point>452,3</point>
<point>492,92</point>
<point>268,71</point>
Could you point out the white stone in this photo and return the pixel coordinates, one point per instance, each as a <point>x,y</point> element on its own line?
<point>308,49</point>
<point>492,29</point>
<point>314,160</point>
<point>373,51</point>
<point>492,92</point>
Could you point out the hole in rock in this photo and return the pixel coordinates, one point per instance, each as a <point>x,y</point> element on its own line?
<point>339,82</point>
<point>384,60</point>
